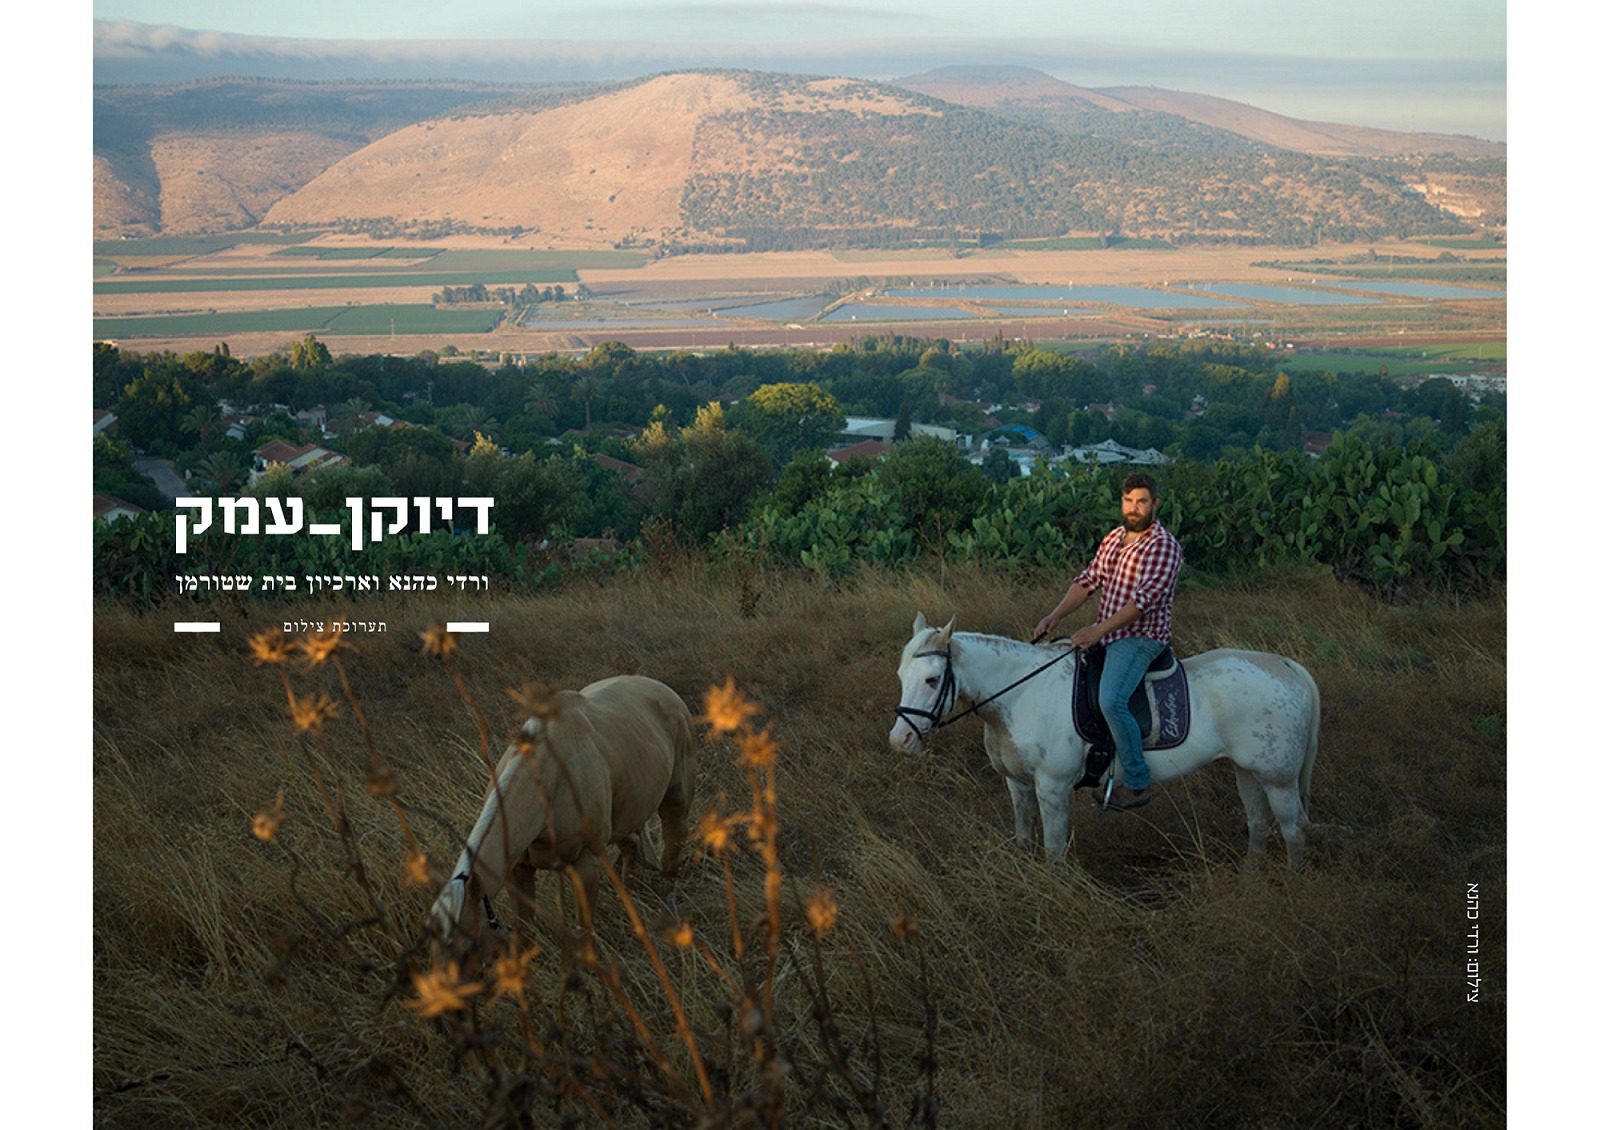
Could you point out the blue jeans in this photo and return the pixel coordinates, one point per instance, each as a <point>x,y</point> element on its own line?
<point>1127,660</point>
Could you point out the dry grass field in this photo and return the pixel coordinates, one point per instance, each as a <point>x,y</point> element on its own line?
<point>1149,978</point>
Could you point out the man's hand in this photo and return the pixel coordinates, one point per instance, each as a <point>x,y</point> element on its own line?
<point>1046,626</point>
<point>1086,637</point>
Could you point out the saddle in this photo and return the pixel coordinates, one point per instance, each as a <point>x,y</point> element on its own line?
<point>1160,706</point>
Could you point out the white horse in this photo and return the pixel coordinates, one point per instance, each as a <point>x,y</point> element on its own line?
<point>1258,710</point>
<point>589,773</point>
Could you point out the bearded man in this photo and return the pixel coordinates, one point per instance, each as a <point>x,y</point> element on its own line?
<point>1135,571</point>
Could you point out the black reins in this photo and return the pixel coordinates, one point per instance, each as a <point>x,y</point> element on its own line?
<point>947,690</point>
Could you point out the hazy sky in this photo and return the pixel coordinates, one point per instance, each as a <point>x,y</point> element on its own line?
<point>1413,64</point>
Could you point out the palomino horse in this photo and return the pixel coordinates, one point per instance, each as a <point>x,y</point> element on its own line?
<point>584,774</point>
<point>1260,711</point>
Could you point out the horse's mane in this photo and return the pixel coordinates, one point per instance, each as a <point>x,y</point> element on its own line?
<point>1009,646</point>
<point>1005,643</point>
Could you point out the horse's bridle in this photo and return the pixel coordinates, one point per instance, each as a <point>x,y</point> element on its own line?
<point>947,690</point>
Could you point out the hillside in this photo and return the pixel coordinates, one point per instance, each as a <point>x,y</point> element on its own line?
<point>597,171</point>
<point>1465,176</point>
<point>1027,94</point>
<point>748,161</point>
<point>214,156</point>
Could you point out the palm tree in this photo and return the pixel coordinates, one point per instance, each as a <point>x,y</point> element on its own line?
<point>349,412</point>
<point>586,387</point>
<point>225,470</point>
<point>471,418</point>
<point>202,419</point>
<point>540,401</point>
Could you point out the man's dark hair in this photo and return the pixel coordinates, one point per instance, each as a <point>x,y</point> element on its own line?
<point>1139,480</point>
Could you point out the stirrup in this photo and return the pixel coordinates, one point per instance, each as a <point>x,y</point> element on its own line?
<point>1104,803</point>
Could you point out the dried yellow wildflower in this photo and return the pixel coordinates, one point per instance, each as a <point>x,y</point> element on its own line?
<point>715,831</point>
<point>438,640</point>
<point>537,699</point>
<point>904,927</point>
<point>680,934</point>
<point>417,871</point>
<point>310,713</point>
<point>269,647</point>
<point>265,825</point>
<point>319,646</point>
<point>822,912</point>
<point>441,990</point>
<point>727,708</point>
<point>759,751</point>
<point>511,973</point>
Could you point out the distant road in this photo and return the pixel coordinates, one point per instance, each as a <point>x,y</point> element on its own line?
<point>166,477</point>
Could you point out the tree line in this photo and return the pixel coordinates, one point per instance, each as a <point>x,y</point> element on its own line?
<point>527,295</point>
<point>715,439</point>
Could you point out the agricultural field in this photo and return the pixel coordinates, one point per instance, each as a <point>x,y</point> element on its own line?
<point>227,283</point>
<point>151,294</point>
<point>1402,361</point>
<point>374,321</point>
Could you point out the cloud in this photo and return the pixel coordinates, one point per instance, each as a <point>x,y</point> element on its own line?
<point>1422,94</point>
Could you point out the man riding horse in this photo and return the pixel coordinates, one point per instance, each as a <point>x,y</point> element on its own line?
<point>1135,571</point>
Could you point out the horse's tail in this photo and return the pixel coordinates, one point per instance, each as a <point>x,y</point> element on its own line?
<point>1311,745</point>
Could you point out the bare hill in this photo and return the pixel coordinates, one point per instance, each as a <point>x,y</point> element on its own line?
<point>596,171</point>
<point>750,161</point>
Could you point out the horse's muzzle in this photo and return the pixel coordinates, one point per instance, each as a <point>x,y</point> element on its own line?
<point>906,737</point>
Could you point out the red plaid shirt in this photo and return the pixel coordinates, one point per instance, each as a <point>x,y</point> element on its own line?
<point>1145,572</point>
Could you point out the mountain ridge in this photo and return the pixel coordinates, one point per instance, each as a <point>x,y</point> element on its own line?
<point>995,86</point>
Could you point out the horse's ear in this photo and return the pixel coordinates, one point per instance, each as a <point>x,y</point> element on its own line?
<point>921,623</point>
<point>946,631</point>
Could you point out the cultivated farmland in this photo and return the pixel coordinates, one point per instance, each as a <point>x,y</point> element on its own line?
<point>250,290</point>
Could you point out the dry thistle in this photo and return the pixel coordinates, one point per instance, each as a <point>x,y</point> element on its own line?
<point>322,646</point>
<point>715,831</point>
<point>265,825</point>
<point>727,708</point>
<point>269,647</point>
<point>511,973</point>
<point>822,912</point>
<point>441,990</point>
<point>903,927</point>
<point>310,713</point>
<point>417,871</point>
<point>537,699</point>
<point>758,751</point>
<point>438,640</point>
